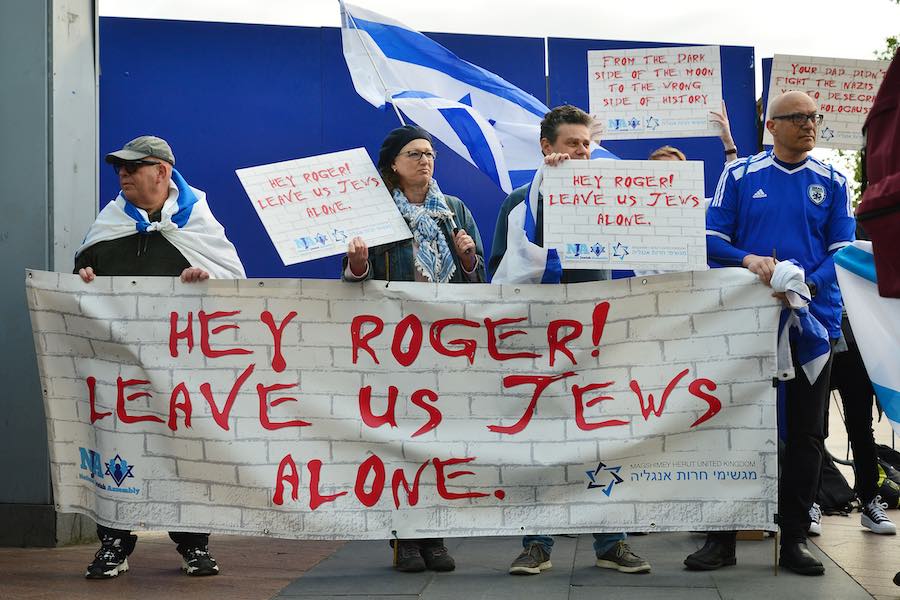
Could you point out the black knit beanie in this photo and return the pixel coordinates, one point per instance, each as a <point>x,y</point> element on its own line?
<point>395,141</point>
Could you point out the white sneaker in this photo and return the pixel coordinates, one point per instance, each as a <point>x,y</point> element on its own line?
<point>815,520</point>
<point>874,518</point>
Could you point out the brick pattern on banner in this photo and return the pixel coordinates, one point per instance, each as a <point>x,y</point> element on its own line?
<point>312,207</point>
<point>626,214</point>
<point>655,92</point>
<point>320,409</point>
<point>844,90</point>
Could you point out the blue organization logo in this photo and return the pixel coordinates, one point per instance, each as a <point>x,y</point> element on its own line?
<point>604,478</point>
<point>117,468</point>
<point>816,193</point>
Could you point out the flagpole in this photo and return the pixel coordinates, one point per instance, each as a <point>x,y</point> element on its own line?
<point>372,60</point>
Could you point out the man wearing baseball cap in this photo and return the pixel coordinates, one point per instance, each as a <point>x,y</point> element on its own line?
<point>158,225</point>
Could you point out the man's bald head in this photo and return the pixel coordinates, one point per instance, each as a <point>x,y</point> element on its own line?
<point>782,102</point>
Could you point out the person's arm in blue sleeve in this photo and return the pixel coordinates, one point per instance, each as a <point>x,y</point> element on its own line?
<point>841,232</point>
<point>721,219</point>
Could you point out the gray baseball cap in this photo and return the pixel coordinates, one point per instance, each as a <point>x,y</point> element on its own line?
<point>142,147</point>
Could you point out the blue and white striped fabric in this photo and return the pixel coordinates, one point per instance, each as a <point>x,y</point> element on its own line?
<point>524,261</point>
<point>186,221</point>
<point>876,324</point>
<point>798,325</point>
<point>487,120</point>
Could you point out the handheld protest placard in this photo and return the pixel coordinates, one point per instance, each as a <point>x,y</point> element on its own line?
<point>312,207</point>
<point>655,92</point>
<point>843,88</point>
<point>626,214</point>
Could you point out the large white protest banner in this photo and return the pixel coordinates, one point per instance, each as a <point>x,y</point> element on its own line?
<point>322,409</point>
<point>626,214</point>
<point>655,92</point>
<point>312,207</point>
<point>843,88</point>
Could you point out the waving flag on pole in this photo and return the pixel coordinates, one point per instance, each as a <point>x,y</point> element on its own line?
<point>487,120</point>
<point>876,324</point>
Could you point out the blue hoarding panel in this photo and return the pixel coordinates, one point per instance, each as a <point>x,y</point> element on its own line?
<point>228,96</point>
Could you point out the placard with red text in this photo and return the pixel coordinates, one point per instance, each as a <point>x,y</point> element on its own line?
<point>626,214</point>
<point>312,207</point>
<point>655,92</point>
<point>327,410</point>
<point>843,88</point>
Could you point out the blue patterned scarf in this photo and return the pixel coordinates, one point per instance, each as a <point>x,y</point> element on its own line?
<point>432,257</point>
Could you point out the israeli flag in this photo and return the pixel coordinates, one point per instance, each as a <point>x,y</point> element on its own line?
<point>525,261</point>
<point>798,325</point>
<point>487,120</point>
<point>876,324</point>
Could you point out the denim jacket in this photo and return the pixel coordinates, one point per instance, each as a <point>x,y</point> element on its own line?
<point>394,261</point>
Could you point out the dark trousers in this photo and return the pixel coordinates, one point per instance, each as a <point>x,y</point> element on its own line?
<point>850,379</point>
<point>806,408</point>
<point>182,538</point>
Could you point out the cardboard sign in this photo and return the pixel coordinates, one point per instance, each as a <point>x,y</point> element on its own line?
<point>312,207</point>
<point>626,214</point>
<point>843,88</point>
<point>655,92</point>
<point>321,409</point>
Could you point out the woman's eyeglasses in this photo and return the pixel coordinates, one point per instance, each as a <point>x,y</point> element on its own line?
<point>417,156</point>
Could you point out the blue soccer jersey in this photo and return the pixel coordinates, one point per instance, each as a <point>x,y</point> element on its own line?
<point>802,212</point>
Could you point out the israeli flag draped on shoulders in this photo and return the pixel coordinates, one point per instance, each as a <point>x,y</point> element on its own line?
<point>876,324</point>
<point>186,221</point>
<point>485,119</point>
<point>525,261</point>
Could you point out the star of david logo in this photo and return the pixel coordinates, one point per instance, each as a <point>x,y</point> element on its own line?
<point>620,251</point>
<point>827,133</point>
<point>119,469</point>
<point>652,123</point>
<point>599,478</point>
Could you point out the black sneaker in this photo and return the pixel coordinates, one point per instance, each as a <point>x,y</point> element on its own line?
<point>815,520</point>
<point>874,517</point>
<point>532,561</point>
<point>622,559</point>
<point>110,560</point>
<point>197,562</point>
<point>408,557</point>
<point>436,556</point>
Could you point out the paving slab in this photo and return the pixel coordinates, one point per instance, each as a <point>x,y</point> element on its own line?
<point>362,570</point>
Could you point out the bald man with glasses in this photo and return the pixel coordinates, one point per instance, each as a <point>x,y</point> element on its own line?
<point>788,204</point>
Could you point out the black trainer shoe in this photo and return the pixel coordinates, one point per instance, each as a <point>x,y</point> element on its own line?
<point>110,560</point>
<point>717,552</point>
<point>874,517</point>
<point>622,559</point>
<point>532,561</point>
<point>797,557</point>
<point>815,520</point>
<point>409,557</point>
<point>197,562</point>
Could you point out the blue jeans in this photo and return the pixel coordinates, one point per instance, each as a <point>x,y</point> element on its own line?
<point>602,541</point>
